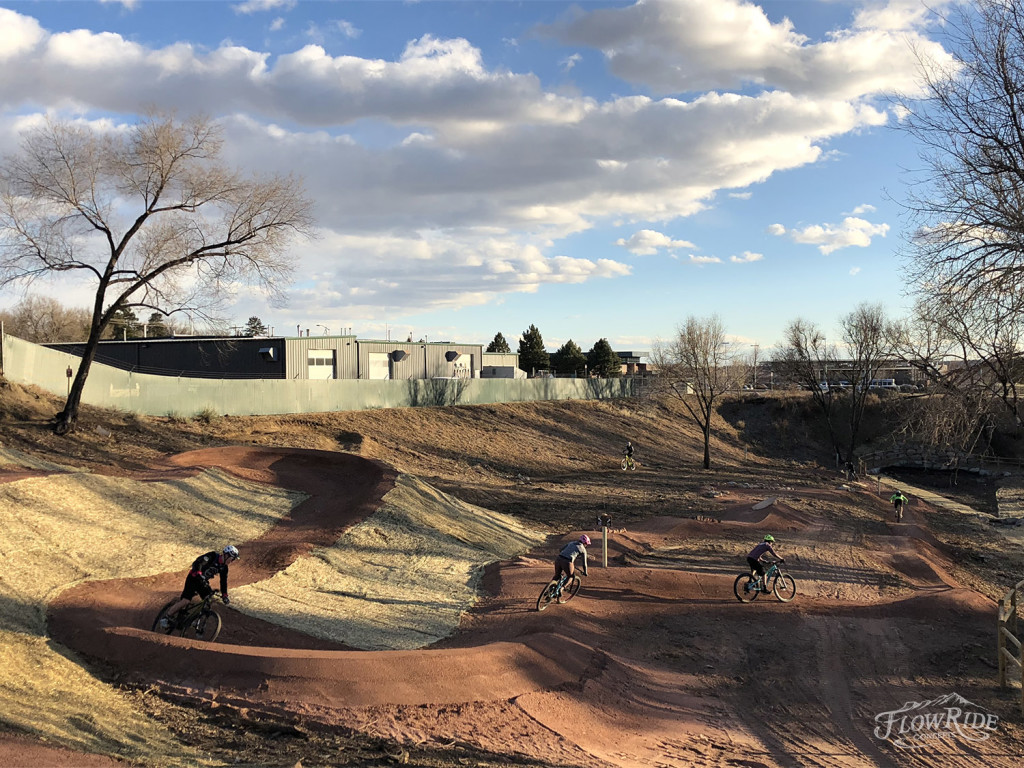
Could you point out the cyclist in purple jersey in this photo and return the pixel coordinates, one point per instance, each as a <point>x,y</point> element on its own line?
<point>762,549</point>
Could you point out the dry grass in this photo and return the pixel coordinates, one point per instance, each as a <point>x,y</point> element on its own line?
<point>59,530</point>
<point>401,579</point>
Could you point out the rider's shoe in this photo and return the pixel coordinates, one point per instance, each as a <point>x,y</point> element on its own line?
<point>165,623</point>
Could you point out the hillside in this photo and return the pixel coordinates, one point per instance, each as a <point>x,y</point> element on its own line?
<point>682,531</point>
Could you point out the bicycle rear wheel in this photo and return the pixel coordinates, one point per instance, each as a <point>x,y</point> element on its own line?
<point>545,595</point>
<point>745,588</point>
<point>570,589</point>
<point>205,627</point>
<point>784,588</point>
<point>624,465</point>
<point>160,615</point>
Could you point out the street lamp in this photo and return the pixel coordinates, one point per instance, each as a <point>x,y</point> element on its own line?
<point>326,329</point>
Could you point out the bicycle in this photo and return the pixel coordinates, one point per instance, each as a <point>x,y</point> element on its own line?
<point>196,621</point>
<point>628,463</point>
<point>561,591</point>
<point>899,511</point>
<point>747,587</point>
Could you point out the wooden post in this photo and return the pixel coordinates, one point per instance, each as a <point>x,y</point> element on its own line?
<point>604,546</point>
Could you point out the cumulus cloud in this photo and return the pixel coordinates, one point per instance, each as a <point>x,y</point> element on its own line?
<point>683,46</point>
<point>435,140</point>
<point>854,270</point>
<point>647,242</point>
<point>746,257</point>
<point>571,61</point>
<point>259,6</point>
<point>695,259</point>
<point>852,231</point>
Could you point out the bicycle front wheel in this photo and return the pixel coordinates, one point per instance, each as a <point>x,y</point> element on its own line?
<point>545,595</point>
<point>160,615</point>
<point>570,590</point>
<point>204,627</point>
<point>625,464</point>
<point>745,588</point>
<point>784,588</point>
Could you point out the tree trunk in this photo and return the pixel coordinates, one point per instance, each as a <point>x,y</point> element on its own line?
<point>66,419</point>
<point>707,447</point>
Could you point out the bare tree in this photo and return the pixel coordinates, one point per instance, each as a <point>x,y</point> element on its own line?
<point>696,366</point>
<point>43,320</point>
<point>804,358</point>
<point>148,214</point>
<point>967,206</point>
<point>866,334</point>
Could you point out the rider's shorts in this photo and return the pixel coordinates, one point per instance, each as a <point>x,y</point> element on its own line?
<point>196,585</point>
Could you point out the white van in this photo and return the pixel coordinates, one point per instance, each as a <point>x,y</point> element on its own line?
<point>882,384</point>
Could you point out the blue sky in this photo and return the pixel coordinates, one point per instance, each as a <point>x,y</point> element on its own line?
<point>599,170</point>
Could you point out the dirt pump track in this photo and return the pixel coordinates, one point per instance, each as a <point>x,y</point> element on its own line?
<point>654,664</point>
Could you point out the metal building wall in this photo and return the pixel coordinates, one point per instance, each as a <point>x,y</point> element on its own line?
<point>297,349</point>
<point>194,357</point>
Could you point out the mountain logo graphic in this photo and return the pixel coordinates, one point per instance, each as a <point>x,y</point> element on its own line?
<point>949,717</point>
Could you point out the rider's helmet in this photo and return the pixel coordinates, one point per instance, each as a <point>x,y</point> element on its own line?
<point>585,540</point>
<point>231,551</point>
<point>769,537</point>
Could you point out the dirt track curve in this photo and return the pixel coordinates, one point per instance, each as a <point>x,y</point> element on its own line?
<point>654,664</point>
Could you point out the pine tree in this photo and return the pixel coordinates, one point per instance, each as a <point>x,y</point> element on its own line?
<point>603,361</point>
<point>569,360</point>
<point>156,327</point>
<point>124,324</point>
<point>532,355</point>
<point>254,327</point>
<point>499,344</point>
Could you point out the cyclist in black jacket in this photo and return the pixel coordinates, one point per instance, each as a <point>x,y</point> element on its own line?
<point>197,582</point>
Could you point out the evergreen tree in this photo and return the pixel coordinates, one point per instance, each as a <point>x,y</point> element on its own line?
<point>569,360</point>
<point>254,327</point>
<point>125,325</point>
<point>532,355</point>
<point>498,344</point>
<point>603,361</point>
<point>156,327</point>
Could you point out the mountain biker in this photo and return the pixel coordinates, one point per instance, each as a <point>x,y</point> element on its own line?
<point>566,560</point>
<point>204,568</point>
<point>628,452</point>
<point>898,500</point>
<point>754,558</point>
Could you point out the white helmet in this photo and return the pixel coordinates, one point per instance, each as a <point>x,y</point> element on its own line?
<point>231,551</point>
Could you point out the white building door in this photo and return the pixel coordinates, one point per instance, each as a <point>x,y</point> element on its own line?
<point>320,363</point>
<point>379,365</point>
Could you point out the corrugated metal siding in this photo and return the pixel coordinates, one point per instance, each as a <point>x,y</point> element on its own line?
<point>297,355</point>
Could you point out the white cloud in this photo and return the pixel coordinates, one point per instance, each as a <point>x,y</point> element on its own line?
<point>862,209</point>
<point>570,61</point>
<point>259,6</point>
<point>746,258</point>
<point>19,35</point>
<point>741,195</point>
<point>854,270</point>
<point>277,24</point>
<point>683,46</point>
<point>436,141</point>
<point>852,231</point>
<point>348,30</point>
<point>695,259</point>
<point>647,242</point>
